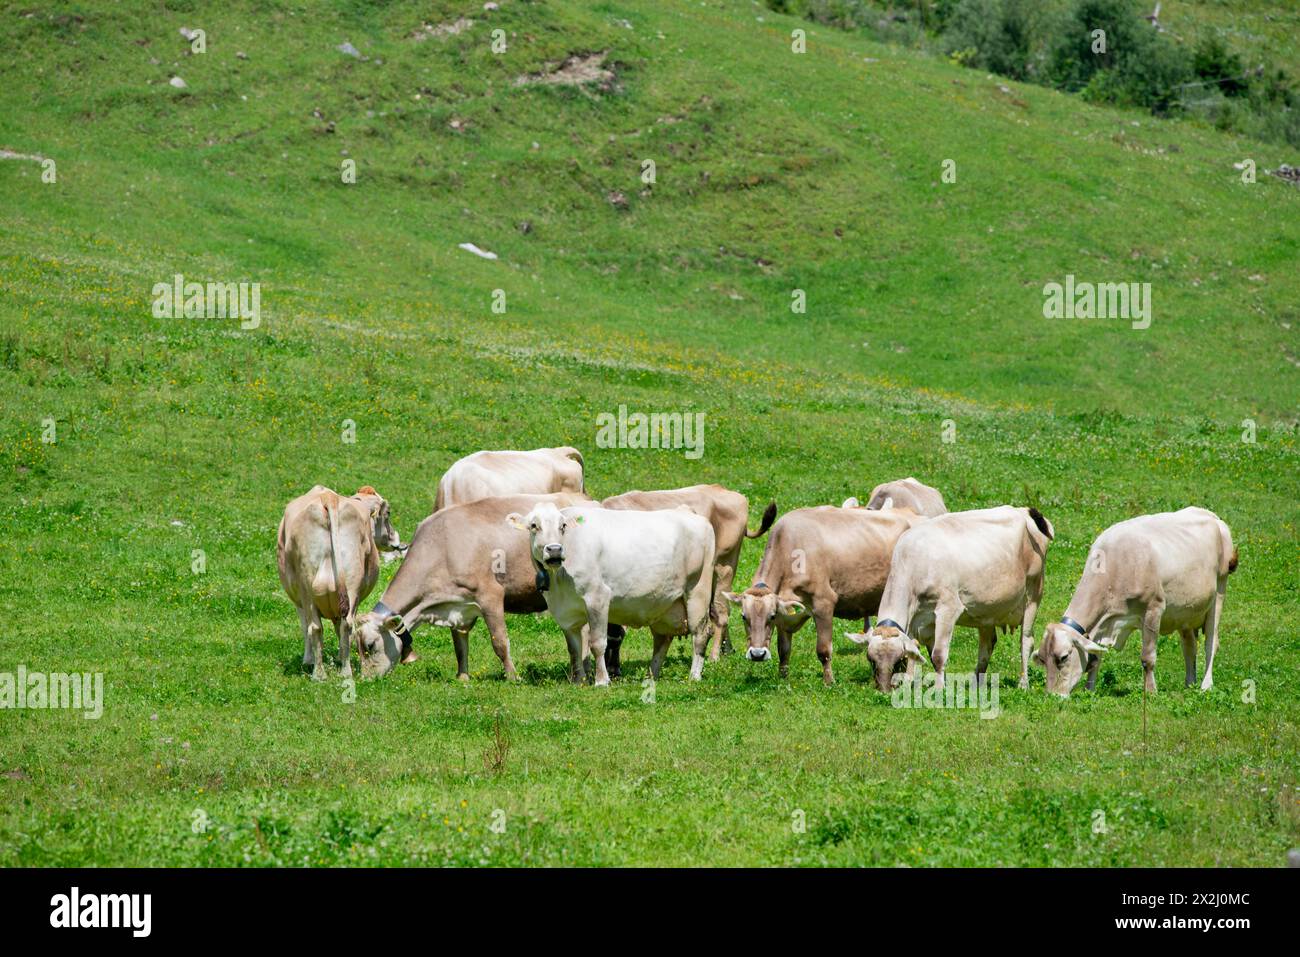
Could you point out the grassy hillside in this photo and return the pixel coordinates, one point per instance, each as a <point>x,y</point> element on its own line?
<point>774,172</point>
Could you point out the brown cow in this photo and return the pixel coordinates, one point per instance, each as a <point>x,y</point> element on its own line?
<point>327,552</point>
<point>464,563</point>
<point>728,513</point>
<point>823,563</point>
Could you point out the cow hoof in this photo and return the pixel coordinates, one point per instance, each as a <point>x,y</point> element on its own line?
<point>410,657</point>
<point>511,676</point>
<point>1024,684</point>
<point>601,684</point>
<point>318,674</point>
<point>463,678</point>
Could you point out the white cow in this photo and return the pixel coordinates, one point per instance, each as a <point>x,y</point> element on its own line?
<point>487,474</point>
<point>637,569</point>
<point>1160,573</point>
<point>904,493</point>
<point>982,568</point>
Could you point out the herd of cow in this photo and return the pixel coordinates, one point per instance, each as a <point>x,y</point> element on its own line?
<point>516,532</point>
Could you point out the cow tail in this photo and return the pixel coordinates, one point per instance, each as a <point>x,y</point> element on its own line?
<point>340,589</point>
<point>1232,562</point>
<point>1041,521</point>
<point>571,453</point>
<point>769,516</point>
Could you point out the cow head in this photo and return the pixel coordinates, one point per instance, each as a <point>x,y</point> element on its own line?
<point>545,526</point>
<point>378,643</point>
<point>386,538</point>
<point>1065,656</point>
<point>762,609</point>
<point>894,656</point>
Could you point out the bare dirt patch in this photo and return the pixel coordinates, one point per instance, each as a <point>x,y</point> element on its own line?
<point>449,29</point>
<point>577,69</point>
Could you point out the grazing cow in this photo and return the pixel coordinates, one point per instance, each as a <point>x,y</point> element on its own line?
<point>728,513</point>
<point>906,493</point>
<point>1160,573</point>
<point>463,564</point>
<point>327,551</point>
<point>982,568</point>
<point>637,569</point>
<point>485,474</point>
<point>823,563</point>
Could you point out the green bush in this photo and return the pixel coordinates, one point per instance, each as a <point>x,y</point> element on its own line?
<point>1128,63</point>
<point>1214,64</point>
<point>994,35</point>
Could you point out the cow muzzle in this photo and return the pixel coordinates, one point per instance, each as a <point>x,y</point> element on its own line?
<point>553,554</point>
<point>758,654</point>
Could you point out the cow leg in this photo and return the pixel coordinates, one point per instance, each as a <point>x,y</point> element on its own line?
<point>460,640</point>
<point>344,627</point>
<point>660,652</point>
<point>1211,629</point>
<point>784,639</point>
<point>587,663</point>
<point>1188,636</point>
<point>702,629</point>
<point>723,575</point>
<point>824,620</point>
<point>1027,640</point>
<point>988,639</point>
<point>1094,663</point>
<point>494,617</point>
<point>699,621</point>
<point>597,636</point>
<point>573,638</point>
<point>314,634</point>
<point>308,652</point>
<point>614,635</point>
<point>1150,632</point>
<point>945,619</point>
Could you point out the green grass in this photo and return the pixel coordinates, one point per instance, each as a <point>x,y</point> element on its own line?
<point>774,172</point>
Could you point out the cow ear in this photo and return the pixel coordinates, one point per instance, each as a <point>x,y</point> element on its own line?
<point>858,638</point>
<point>913,650</point>
<point>732,597</point>
<point>515,520</point>
<point>1037,655</point>
<point>790,608</point>
<point>393,622</point>
<point>1088,646</point>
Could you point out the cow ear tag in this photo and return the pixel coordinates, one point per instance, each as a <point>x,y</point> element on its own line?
<point>579,519</point>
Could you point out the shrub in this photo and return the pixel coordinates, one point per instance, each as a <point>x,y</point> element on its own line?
<point>1214,64</point>
<point>994,35</point>
<point>1131,65</point>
